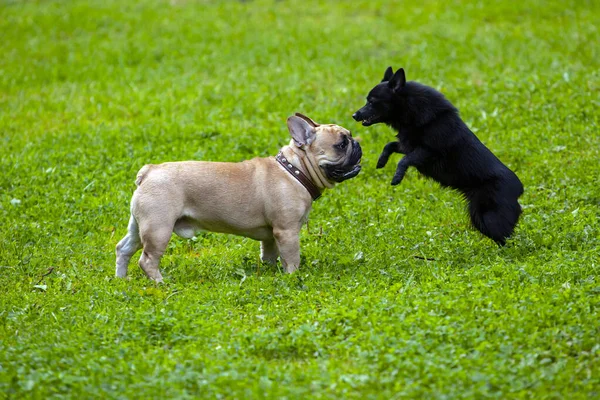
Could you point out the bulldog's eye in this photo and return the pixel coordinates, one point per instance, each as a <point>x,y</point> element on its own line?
<point>342,145</point>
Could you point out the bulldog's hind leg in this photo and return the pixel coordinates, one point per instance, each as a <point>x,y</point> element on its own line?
<point>288,242</point>
<point>268,251</point>
<point>127,247</point>
<point>155,241</point>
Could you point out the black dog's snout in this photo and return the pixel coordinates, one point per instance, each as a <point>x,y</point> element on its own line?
<point>355,116</point>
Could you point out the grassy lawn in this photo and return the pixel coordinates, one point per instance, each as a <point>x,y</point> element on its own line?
<point>397,296</point>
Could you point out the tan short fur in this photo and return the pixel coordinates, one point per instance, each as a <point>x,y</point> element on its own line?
<point>256,198</point>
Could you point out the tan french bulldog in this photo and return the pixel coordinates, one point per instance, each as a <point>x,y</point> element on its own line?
<point>266,199</point>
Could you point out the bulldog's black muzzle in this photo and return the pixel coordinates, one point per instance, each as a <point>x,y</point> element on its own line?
<point>348,169</point>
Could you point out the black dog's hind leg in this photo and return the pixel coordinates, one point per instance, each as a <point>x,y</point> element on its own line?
<point>388,150</point>
<point>416,158</point>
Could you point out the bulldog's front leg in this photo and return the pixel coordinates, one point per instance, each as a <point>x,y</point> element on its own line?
<point>288,243</point>
<point>268,252</point>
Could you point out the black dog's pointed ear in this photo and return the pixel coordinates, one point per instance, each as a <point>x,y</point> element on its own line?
<point>389,72</point>
<point>398,80</point>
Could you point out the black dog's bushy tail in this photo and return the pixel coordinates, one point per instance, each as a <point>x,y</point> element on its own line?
<point>497,224</point>
<point>493,213</point>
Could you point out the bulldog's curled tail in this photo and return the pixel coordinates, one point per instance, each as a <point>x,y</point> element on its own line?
<point>142,174</point>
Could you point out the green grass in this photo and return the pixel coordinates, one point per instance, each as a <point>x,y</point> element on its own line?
<point>92,90</point>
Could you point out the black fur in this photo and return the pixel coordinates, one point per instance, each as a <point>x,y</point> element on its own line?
<point>439,144</point>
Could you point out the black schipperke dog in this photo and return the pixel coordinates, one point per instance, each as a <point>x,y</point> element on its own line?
<point>439,144</point>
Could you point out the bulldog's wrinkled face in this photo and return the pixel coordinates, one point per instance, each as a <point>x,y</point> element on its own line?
<point>337,153</point>
<point>331,146</point>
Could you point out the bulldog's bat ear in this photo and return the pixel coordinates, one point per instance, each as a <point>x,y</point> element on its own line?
<point>304,117</point>
<point>301,130</point>
<point>389,72</point>
<point>398,80</point>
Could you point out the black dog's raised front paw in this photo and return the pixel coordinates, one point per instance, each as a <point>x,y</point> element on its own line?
<point>383,159</point>
<point>388,150</point>
<point>400,172</point>
<point>397,179</point>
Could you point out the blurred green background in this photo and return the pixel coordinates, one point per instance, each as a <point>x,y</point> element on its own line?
<point>397,296</point>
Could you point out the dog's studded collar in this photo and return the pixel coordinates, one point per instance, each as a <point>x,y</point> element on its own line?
<point>299,175</point>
